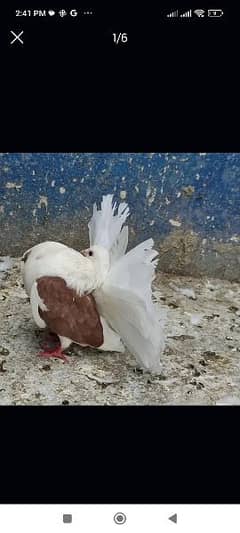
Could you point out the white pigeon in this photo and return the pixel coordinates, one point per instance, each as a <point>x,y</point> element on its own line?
<point>101,296</point>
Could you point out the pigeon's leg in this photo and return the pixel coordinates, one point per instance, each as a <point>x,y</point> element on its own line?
<point>51,340</point>
<point>57,352</point>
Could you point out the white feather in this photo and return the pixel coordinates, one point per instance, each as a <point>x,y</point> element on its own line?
<point>119,247</point>
<point>125,301</point>
<point>112,341</point>
<point>36,302</point>
<point>105,225</point>
<point>65,342</point>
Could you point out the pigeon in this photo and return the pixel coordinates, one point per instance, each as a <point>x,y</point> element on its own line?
<point>59,282</point>
<point>101,296</point>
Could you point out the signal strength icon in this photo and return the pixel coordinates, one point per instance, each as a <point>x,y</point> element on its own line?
<point>173,14</point>
<point>187,14</point>
<point>199,12</point>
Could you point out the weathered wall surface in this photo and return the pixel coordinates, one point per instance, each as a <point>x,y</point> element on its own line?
<point>189,204</point>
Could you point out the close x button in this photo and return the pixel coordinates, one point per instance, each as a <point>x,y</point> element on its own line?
<point>16,37</point>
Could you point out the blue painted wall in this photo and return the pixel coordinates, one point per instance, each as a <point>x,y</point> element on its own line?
<point>171,196</point>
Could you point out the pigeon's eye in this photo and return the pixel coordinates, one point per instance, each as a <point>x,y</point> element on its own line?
<point>90,252</point>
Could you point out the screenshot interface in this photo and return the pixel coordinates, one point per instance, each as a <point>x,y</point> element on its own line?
<point>119,268</point>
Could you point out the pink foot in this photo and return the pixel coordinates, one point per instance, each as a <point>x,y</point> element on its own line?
<point>55,352</point>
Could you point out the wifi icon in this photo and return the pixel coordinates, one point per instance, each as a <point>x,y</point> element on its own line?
<point>199,12</point>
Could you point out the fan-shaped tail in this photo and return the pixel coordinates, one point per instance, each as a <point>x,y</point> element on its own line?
<point>105,226</point>
<point>125,300</point>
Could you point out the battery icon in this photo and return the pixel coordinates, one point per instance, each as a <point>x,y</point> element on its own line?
<point>215,12</point>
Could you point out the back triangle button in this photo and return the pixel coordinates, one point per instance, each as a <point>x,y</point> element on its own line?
<point>173,518</point>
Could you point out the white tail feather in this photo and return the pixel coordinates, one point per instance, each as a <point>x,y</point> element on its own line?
<point>125,301</point>
<point>112,341</point>
<point>119,246</point>
<point>136,271</point>
<point>105,226</point>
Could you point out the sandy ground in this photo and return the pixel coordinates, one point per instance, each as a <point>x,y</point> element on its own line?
<point>201,362</point>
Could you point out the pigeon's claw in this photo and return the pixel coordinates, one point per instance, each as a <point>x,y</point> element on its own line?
<point>55,352</point>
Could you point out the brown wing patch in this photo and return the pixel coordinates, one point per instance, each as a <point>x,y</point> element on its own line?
<point>69,314</point>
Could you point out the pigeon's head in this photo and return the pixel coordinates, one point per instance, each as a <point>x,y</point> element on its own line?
<point>100,258</point>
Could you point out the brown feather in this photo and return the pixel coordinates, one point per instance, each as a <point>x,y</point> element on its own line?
<point>70,315</point>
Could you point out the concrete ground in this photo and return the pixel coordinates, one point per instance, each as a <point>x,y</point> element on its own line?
<point>201,362</point>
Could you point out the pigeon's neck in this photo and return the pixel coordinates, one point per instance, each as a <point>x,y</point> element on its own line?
<point>80,275</point>
<point>87,276</point>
